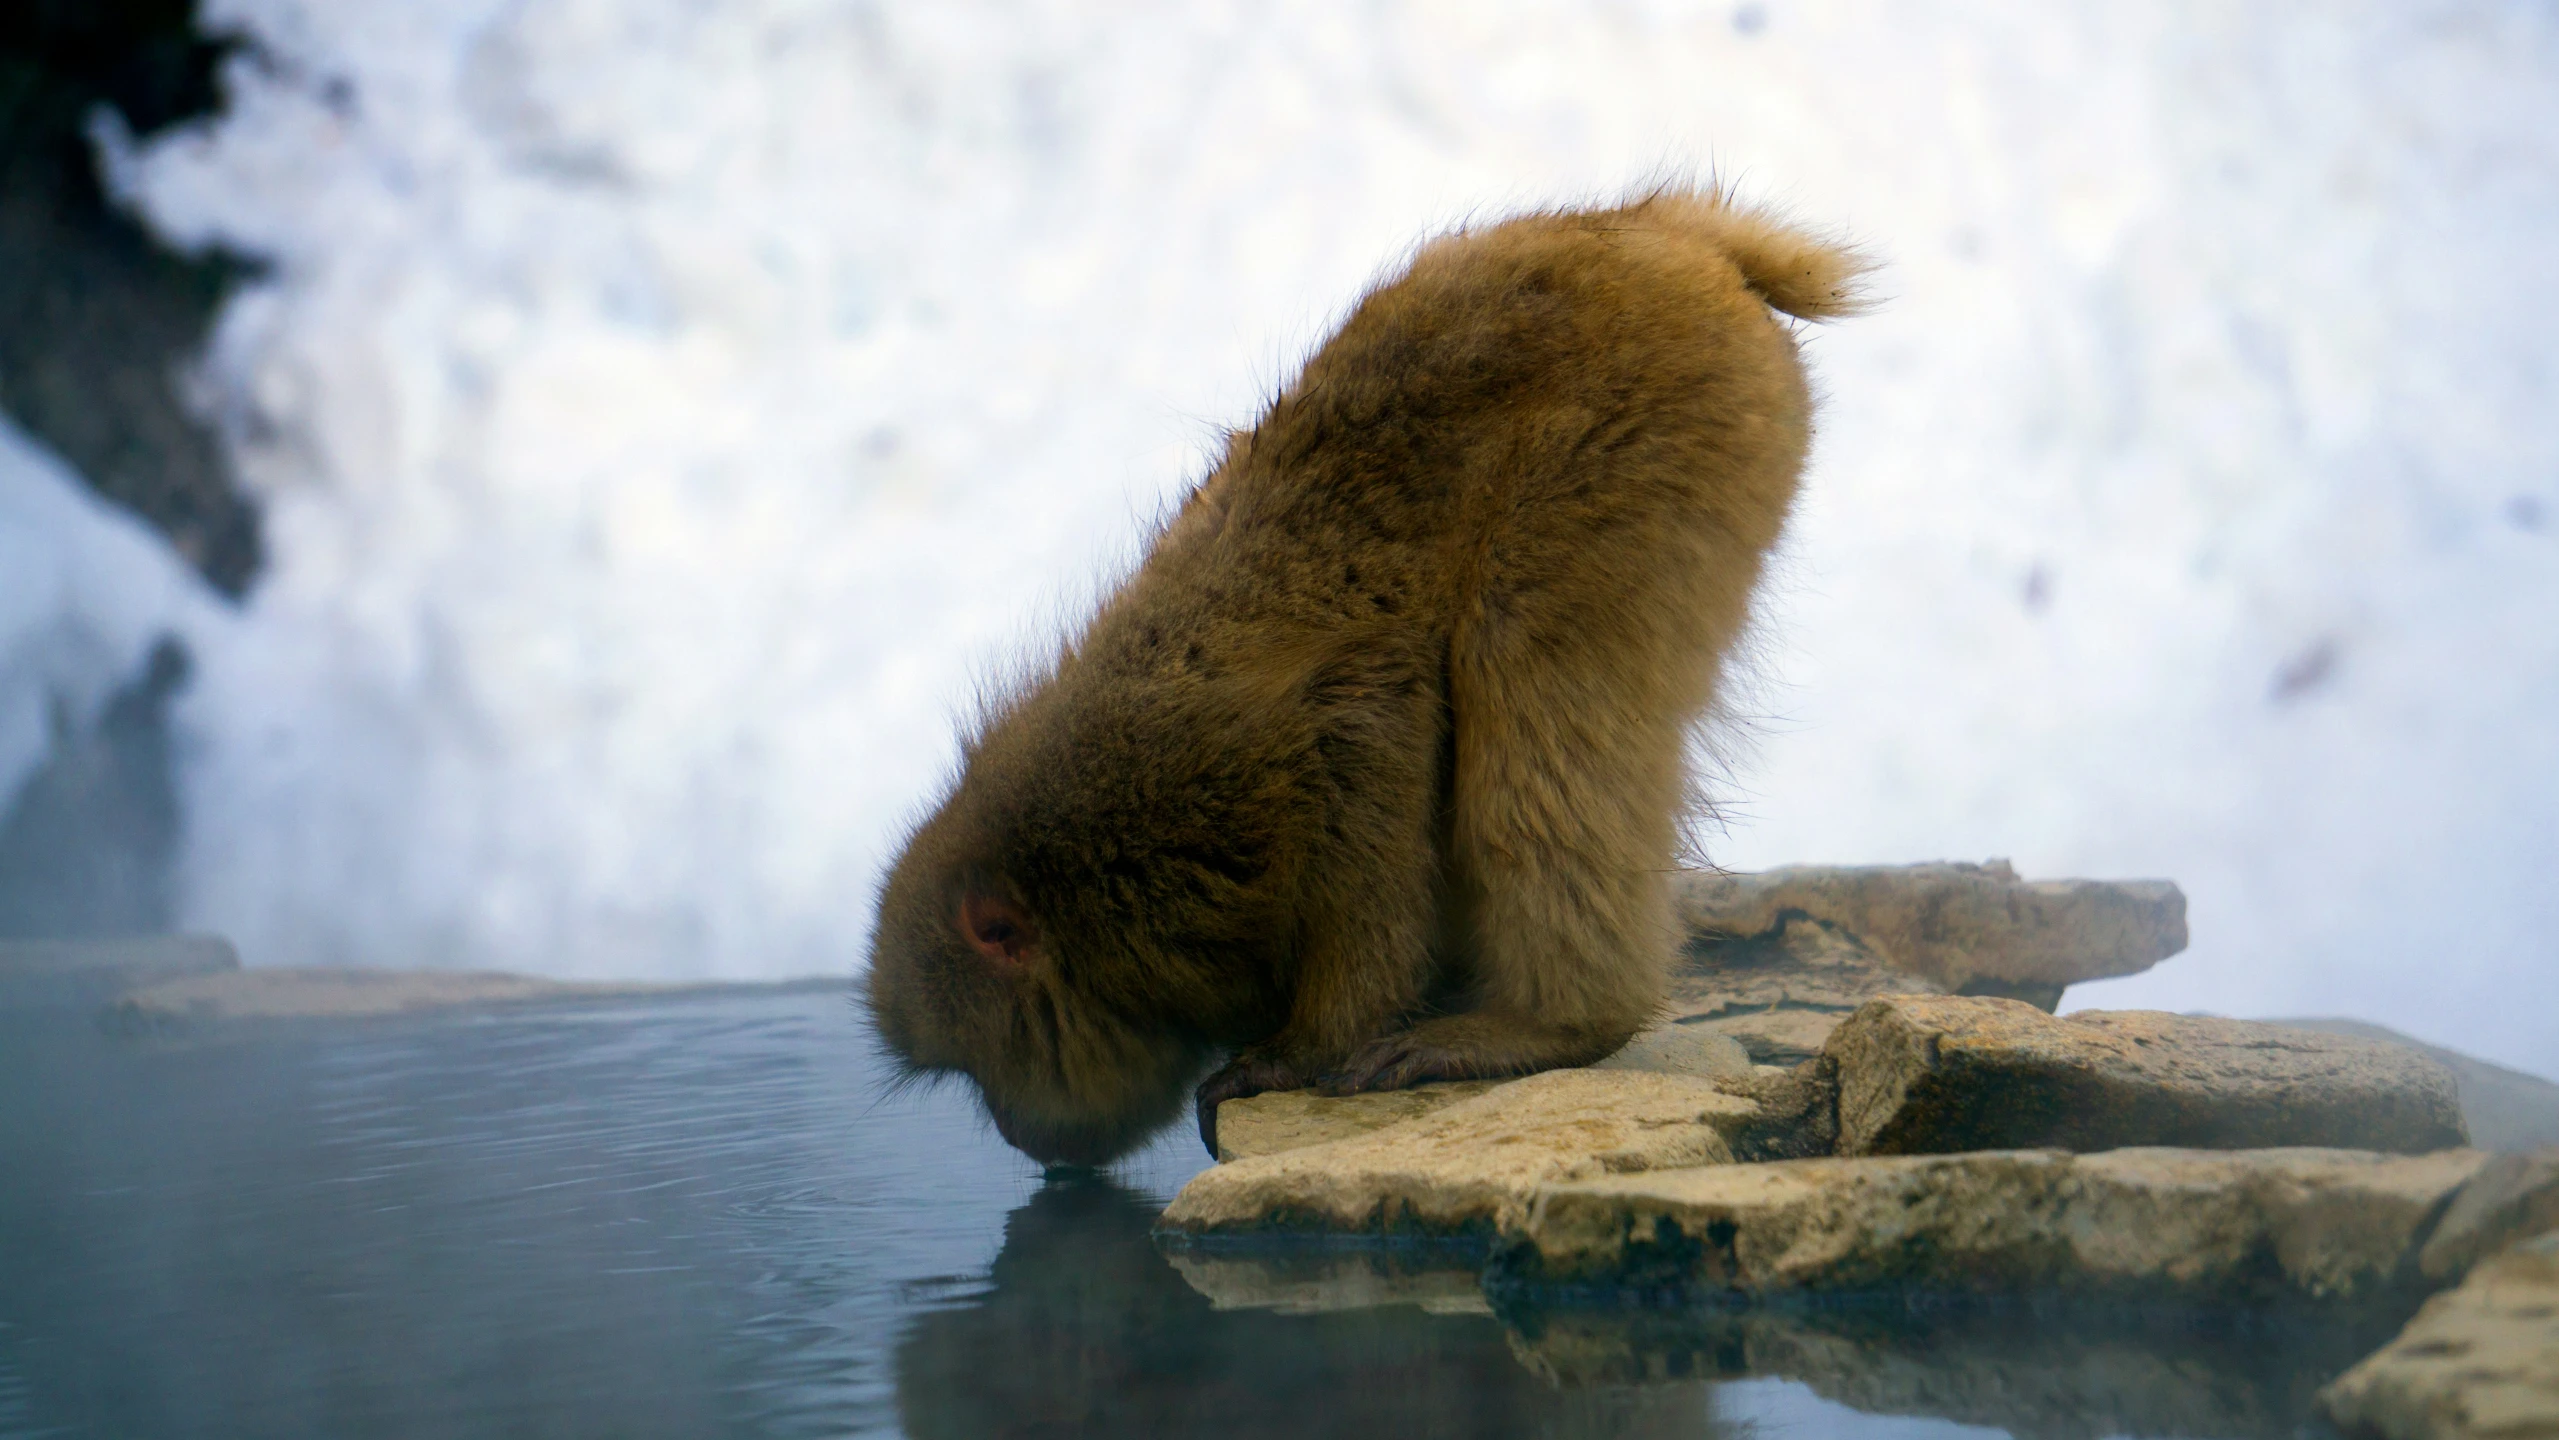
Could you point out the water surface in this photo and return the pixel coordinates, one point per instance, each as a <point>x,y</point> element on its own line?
<point>700,1217</point>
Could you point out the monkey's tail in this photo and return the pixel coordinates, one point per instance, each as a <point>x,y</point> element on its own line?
<point>1806,277</point>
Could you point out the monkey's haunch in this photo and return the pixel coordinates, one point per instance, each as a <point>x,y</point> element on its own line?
<point>1372,773</point>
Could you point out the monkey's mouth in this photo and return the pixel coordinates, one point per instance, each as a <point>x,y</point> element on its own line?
<point>1059,1146</point>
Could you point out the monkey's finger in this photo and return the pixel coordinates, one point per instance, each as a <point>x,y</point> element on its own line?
<point>1208,1120</point>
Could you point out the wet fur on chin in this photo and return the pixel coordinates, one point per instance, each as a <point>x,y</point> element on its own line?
<point>1373,772</point>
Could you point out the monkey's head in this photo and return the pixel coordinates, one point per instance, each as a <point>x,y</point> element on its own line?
<point>1088,917</point>
<point>1047,1012</point>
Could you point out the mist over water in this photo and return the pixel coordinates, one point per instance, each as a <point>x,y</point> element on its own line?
<point>663,413</point>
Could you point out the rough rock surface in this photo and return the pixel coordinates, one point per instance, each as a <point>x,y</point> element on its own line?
<point>2326,1224</point>
<point>1956,925</point>
<point>1779,995</point>
<point>1783,1036</point>
<point>1470,1165</point>
<point>1681,1050</point>
<point>1278,1120</point>
<point>1798,1111</point>
<point>1940,1074</point>
<point>2513,1197</point>
<point>54,972</point>
<point>2505,1109</point>
<point>2478,1361</point>
<point>282,994</point>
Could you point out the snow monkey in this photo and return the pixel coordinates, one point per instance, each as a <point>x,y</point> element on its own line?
<point>1372,773</point>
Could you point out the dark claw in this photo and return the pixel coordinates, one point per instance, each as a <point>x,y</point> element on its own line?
<point>1244,1075</point>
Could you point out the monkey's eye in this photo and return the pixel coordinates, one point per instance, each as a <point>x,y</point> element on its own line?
<point>996,929</point>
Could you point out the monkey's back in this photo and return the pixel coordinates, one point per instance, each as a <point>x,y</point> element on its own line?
<point>1589,424</point>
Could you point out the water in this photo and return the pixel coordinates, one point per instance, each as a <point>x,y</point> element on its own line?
<point>698,1217</point>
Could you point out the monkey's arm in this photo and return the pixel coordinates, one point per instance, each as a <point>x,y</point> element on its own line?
<point>1363,962</point>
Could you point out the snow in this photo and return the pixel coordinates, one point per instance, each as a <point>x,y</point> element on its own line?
<point>86,591</point>
<point>665,412</point>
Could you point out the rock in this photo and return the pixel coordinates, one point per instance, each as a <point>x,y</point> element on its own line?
<point>1940,1074</point>
<point>1799,964</point>
<point>1681,1050</point>
<point>2478,1361</point>
<point>1778,1037</point>
<point>1956,925</point>
<point>44,973</point>
<point>341,994</point>
<point>2505,1109</point>
<point>1464,1168</point>
<point>2326,1224</point>
<point>1798,1111</point>
<point>1777,960</point>
<point>1278,1120</point>
<point>2513,1197</point>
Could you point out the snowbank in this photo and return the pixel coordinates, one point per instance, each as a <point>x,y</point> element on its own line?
<point>663,411</point>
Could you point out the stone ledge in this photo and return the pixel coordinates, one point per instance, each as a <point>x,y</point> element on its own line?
<point>2513,1197</point>
<point>1956,925</point>
<point>1278,1120</point>
<point>2320,1224</point>
<point>1939,1074</point>
<point>2479,1361</point>
<point>1472,1164</point>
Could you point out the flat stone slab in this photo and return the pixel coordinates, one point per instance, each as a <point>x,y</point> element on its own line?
<point>1681,1050</point>
<point>1779,1036</point>
<point>1800,964</point>
<point>2513,1197</point>
<point>277,994</point>
<point>1279,1120</point>
<point>2479,1361</point>
<point>1468,1165</point>
<point>1955,925</point>
<point>2505,1109</point>
<point>2322,1224</point>
<point>1940,1074</point>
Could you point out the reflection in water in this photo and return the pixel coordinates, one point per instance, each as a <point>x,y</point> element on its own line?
<point>2045,1368</point>
<point>1087,1331</point>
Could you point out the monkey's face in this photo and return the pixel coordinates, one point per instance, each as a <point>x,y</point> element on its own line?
<point>966,980</point>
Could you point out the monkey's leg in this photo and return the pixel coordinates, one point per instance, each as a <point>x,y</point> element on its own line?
<point>1564,795</point>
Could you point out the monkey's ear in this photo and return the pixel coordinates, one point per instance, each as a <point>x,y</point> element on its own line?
<point>996,928</point>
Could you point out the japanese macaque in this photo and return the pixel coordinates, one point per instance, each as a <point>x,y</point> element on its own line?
<point>1373,772</point>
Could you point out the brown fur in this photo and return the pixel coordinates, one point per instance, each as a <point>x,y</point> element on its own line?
<point>1371,774</point>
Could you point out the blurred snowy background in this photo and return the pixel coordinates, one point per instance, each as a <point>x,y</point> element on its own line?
<point>660,411</point>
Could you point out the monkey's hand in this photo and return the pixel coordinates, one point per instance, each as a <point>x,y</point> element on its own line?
<point>1477,1045</point>
<point>1249,1073</point>
<point>1399,1062</point>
